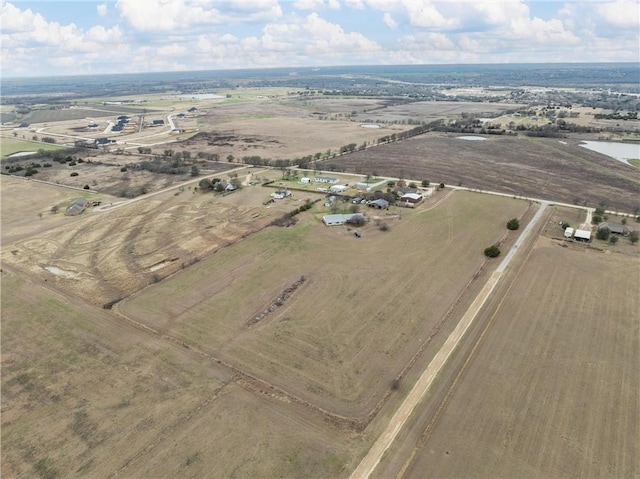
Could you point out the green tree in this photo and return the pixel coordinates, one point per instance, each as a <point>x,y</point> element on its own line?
<point>492,251</point>
<point>634,237</point>
<point>603,233</point>
<point>425,183</point>
<point>205,184</point>
<point>441,186</point>
<point>230,158</point>
<point>613,239</point>
<point>195,171</point>
<point>624,221</point>
<point>513,224</point>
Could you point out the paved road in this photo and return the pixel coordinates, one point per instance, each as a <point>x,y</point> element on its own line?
<point>382,444</point>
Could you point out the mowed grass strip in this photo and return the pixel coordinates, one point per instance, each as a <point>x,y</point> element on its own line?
<point>362,313</point>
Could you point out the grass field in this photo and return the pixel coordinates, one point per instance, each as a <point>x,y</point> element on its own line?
<point>85,395</point>
<point>553,390</point>
<point>356,321</point>
<point>10,145</point>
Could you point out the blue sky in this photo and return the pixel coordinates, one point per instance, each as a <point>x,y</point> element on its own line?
<point>41,38</point>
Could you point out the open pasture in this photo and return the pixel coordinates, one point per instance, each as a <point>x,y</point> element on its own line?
<point>84,394</point>
<point>102,256</point>
<point>360,314</point>
<point>553,390</point>
<point>533,167</point>
<point>284,137</point>
<point>426,111</point>
<point>10,145</point>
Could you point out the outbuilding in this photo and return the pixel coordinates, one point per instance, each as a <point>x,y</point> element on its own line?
<point>338,219</point>
<point>326,179</point>
<point>568,232</point>
<point>582,235</point>
<point>380,203</point>
<point>338,189</point>
<point>305,181</point>
<point>280,194</point>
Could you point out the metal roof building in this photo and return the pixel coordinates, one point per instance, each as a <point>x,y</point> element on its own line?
<point>338,219</point>
<point>582,235</point>
<point>76,207</point>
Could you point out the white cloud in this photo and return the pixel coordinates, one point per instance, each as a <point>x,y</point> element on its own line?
<point>357,4</point>
<point>102,9</point>
<point>389,21</point>
<point>621,13</point>
<point>179,15</point>
<point>316,5</point>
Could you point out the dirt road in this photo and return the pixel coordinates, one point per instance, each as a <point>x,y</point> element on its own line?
<point>373,457</point>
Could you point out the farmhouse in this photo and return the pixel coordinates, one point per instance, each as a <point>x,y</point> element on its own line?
<point>280,194</point>
<point>103,141</point>
<point>379,203</point>
<point>568,233</point>
<point>338,219</point>
<point>76,207</point>
<point>326,179</point>
<point>338,189</point>
<point>157,123</point>
<point>616,228</point>
<point>582,235</point>
<point>413,198</point>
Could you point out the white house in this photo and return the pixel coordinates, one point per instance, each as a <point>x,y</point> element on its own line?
<point>326,179</point>
<point>278,195</point>
<point>568,232</point>
<point>305,181</point>
<point>582,235</point>
<point>338,189</point>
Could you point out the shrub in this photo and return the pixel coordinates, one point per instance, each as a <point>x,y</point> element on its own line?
<point>75,173</point>
<point>383,227</point>
<point>492,251</point>
<point>123,169</point>
<point>86,187</point>
<point>513,224</point>
<point>613,239</point>
<point>634,237</point>
<point>425,183</point>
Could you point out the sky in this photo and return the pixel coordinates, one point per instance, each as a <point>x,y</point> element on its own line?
<point>50,37</point>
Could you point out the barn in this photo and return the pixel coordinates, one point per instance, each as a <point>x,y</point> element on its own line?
<point>381,204</point>
<point>338,189</point>
<point>568,232</point>
<point>582,235</point>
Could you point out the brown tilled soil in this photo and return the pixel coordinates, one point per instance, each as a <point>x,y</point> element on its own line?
<point>538,168</point>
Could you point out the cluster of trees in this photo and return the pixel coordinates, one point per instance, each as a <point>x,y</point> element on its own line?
<point>213,184</point>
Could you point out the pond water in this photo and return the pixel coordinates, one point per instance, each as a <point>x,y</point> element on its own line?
<point>23,153</point>
<point>620,151</point>
<point>470,138</point>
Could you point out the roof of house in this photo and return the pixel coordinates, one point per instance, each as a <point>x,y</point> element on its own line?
<point>568,233</point>
<point>381,202</point>
<point>616,228</point>
<point>341,218</point>
<point>406,190</point>
<point>77,206</point>
<point>411,196</point>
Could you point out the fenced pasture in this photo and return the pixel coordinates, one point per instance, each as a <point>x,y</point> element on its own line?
<point>366,304</point>
<point>10,145</point>
<point>553,389</point>
<point>84,394</point>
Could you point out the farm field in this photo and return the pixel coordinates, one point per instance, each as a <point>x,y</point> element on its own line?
<point>108,255</point>
<point>552,390</point>
<point>433,110</point>
<point>534,167</point>
<point>10,145</point>
<point>87,395</point>
<point>359,315</point>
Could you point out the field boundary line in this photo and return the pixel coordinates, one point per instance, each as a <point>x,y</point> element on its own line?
<point>371,460</point>
<point>450,391</point>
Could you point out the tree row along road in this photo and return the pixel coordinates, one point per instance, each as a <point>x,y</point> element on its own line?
<point>422,386</point>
